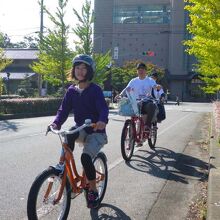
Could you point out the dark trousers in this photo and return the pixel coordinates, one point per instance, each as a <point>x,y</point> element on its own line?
<point>148,108</point>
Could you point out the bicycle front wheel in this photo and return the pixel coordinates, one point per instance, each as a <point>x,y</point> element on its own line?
<point>127,140</point>
<point>153,136</point>
<point>100,163</point>
<point>42,199</point>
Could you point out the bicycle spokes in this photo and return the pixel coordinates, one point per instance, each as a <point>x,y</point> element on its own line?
<point>127,140</point>
<point>51,197</point>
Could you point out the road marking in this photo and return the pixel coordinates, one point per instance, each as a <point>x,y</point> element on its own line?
<point>174,124</point>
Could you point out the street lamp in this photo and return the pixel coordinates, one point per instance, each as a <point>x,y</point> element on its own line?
<point>41,37</point>
<point>8,75</point>
<point>109,67</point>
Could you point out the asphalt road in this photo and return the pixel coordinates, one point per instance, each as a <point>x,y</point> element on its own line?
<point>151,186</point>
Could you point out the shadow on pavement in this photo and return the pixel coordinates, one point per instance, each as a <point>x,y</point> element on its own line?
<point>167,164</point>
<point>107,211</point>
<point>6,125</point>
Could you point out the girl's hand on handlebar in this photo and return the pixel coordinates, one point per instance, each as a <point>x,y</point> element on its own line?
<point>54,126</point>
<point>99,125</point>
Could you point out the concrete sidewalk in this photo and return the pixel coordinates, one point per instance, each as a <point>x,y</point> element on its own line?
<point>213,212</point>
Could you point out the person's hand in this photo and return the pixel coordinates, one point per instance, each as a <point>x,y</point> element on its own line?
<point>117,97</point>
<point>99,125</point>
<point>158,87</point>
<point>162,99</point>
<point>53,125</point>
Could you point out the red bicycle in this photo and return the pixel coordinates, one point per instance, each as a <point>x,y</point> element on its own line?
<point>134,132</point>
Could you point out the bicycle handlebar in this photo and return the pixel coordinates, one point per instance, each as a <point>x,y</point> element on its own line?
<point>87,123</point>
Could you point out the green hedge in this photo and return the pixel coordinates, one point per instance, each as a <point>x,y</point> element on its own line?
<point>9,97</point>
<point>29,105</point>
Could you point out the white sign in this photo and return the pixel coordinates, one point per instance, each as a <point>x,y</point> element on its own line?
<point>115,55</point>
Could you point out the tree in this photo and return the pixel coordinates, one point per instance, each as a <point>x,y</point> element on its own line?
<point>205,43</point>
<point>85,45</point>
<point>28,42</point>
<point>3,63</point>
<point>101,60</point>
<point>122,75</point>
<point>54,56</point>
<point>5,41</point>
<point>84,29</point>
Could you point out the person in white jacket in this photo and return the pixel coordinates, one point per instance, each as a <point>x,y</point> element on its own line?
<point>159,94</point>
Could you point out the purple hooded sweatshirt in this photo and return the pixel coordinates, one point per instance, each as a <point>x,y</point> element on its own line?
<point>89,104</point>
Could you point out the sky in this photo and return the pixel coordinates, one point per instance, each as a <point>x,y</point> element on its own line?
<point>22,17</point>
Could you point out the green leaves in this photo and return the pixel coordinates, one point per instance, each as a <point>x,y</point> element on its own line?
<point>83,31</point>
<point>205,44</point>
<point>101,73</point>
<point>122,75</point>
<point>3,63</point>
<point>55,56</point>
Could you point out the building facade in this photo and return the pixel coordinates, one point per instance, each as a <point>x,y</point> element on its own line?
<point>152,31</point>
<point>19,69</point>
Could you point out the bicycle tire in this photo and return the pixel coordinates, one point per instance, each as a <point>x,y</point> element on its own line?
<point>34,211</point>
<point>101,160</point>
<point>127,150</point>
<point>153,136</point>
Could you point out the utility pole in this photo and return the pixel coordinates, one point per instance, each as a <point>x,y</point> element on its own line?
<point>41,36</point>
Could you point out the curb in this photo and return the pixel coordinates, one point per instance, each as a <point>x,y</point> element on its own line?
<point>42,114</point>
<point>25,115</point>
<point>213,202</point>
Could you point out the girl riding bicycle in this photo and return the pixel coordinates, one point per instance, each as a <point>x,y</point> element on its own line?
<point>85,100</point>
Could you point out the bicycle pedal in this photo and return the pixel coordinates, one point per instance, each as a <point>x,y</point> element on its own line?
<point>73,195</point>
<point>139,145</point>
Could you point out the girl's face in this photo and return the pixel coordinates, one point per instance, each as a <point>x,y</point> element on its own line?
<point>80,71</point>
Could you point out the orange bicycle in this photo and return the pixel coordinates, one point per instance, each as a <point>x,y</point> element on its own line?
<point>51,193</point>
<point>134,132</point>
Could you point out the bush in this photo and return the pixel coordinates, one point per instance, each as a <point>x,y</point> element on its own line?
<point>23,92</point>
<point>9,97</point>
<point>30,105</point>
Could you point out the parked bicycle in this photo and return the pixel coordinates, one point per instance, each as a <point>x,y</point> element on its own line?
<point>134,132</point>
<point>51,192</point>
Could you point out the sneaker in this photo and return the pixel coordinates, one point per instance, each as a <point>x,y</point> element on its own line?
<point>93,199</point>
<point>60,167</point>
<point>147,131</point>
<point>147,128</point>
<point>139,144</point>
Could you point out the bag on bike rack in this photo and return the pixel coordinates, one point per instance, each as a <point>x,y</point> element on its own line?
<point>125,107</point>
<point>128,106</point>
<point>132,98</point>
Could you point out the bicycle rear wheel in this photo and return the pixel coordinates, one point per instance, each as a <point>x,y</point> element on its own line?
<point>42,195</point>
<point>127,140</point>
<point>153,136</point>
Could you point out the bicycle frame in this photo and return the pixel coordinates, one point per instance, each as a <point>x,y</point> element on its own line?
<point>77,182</point>
<point>138,128</point>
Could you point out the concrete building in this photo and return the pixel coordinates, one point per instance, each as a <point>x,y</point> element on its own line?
<point>134,28</point>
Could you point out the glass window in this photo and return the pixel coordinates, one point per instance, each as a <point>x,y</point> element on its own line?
<point>125,15</point>
<point>146,14</point>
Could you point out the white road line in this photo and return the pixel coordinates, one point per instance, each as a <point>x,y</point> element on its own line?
<point>167,128</point>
